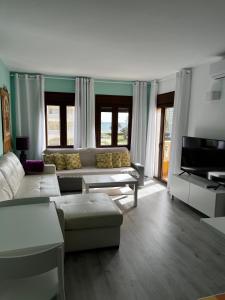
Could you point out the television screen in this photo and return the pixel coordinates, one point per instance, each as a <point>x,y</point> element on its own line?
<point>199,155</point>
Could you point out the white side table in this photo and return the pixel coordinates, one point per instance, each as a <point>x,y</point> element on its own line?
<point>27,228</point>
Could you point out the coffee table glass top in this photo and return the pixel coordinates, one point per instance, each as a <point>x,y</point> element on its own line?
<point>119,178</point>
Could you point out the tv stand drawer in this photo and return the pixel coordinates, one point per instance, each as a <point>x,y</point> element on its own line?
<point>179,188</point>
<point>193,191</point>
<point>202,200</point>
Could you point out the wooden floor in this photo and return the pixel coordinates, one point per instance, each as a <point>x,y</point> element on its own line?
<point>165,253</point>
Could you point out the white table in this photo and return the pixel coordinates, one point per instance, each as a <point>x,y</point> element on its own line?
<point>114,180</point>
<point>27,228</point>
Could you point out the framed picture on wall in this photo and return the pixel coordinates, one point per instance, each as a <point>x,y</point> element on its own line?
<point>6,132</point>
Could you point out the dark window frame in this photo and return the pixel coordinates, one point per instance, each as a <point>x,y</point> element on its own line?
<point>62,100</point>
<point>165,100</point>
<point>112,103</point>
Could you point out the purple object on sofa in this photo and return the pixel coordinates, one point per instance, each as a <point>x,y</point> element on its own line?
<point>33,166</point>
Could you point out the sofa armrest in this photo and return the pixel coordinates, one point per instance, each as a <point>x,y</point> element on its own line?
<point>140,170</point>
<point>24,201</point>
<point>49,169</point>
<point>60,214</point>
<point>61,219</point>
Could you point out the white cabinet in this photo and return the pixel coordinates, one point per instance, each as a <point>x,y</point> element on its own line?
<point>180,188</point>
<point>193,191</point>
<point>202,199</point>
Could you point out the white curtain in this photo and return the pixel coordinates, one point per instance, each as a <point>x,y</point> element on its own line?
<point>84,118</point>
<point>30,118</point>
<point>139,122</point>
<point>180,119</point>
<point>151,131</point>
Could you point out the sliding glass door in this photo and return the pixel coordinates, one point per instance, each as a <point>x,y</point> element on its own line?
<point>166,142</point>
<point>165,113</point>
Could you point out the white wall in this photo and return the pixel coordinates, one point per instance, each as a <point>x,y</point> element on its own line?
<point>167,84</point>
<point>206,118</point>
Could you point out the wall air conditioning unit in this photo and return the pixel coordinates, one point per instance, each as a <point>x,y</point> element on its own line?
<point>217,69</point>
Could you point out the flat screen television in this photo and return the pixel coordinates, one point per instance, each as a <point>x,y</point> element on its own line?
<point>200,156</point>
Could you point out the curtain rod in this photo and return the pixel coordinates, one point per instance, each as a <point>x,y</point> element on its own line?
<point>70,78</point>
<point>123,82</point>
<point>113,81</point>
<point>45,76</point>
<point>64,78</point>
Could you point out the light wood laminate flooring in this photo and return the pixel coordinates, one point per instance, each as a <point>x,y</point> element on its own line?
<point>166,253</point>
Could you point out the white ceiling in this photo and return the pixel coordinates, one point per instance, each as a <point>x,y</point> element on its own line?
<point>124,39</point>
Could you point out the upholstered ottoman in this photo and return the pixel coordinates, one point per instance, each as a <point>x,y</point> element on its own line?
<point>90,221</point>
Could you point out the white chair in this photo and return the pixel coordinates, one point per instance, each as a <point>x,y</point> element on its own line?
<point>33,276</point>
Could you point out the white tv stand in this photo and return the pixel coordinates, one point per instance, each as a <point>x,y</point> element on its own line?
<point>193,191</point>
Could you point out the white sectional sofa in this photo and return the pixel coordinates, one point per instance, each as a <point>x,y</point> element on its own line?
<point>88,162</point>
<point>15,184</point>
<point>87,221</point>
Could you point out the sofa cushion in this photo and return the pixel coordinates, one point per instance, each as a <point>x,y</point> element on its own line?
<point>104,160</point>
<point>38,186</point>
<point>10,156</point>
<point>87,155</point>
<point>5,191</point>
<point>12,170</point>
<point>33,166</point>
<point>94,170</point>
<point>72,161</point>
<point>84,211</point>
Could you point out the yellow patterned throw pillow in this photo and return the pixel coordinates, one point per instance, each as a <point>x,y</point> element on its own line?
<point>73,161</point>
<point>49,159</point>
<point>125,159</point>
<point>116,159</point>
<point>60,162</point>
<point>104,160</point>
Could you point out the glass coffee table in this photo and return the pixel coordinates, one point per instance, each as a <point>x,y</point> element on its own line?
<point>114,180</point>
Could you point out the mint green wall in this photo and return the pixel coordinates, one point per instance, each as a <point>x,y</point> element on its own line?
<point>102,87</point>
<point>60,85</point>
<point>4,81</point>
<point>57,84</point>
<point>110,87</point>
<point>121,88</point>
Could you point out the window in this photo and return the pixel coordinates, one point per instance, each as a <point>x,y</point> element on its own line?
<point>59,116</point>
<point>113,120</point>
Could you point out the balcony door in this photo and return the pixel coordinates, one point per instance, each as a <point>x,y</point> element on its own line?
<point>165,108</point>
